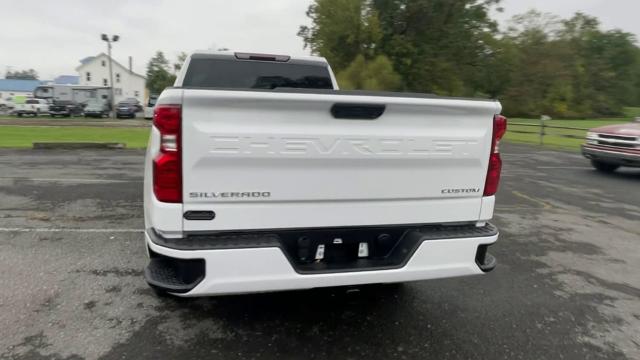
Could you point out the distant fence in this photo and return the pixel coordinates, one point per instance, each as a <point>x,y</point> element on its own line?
<point>541,128</point>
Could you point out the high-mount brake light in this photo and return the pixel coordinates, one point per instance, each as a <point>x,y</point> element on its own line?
<point>495,162</point>
<point>167,166</point>
<point>262,57</point>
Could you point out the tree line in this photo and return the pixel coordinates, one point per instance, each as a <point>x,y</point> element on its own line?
<point>161,73</point>
<point>21,75</point>
<point>539,64</point>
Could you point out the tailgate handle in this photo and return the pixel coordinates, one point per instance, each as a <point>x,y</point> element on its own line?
<point>200,215</point>
<point>357,111</point>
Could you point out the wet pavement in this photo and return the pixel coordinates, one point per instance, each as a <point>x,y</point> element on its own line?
<point>71,259</point>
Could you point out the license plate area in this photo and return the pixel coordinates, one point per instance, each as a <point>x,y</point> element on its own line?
<point>347,250</point>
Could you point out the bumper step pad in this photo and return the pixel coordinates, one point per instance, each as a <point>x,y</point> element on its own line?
<point>174,275</point>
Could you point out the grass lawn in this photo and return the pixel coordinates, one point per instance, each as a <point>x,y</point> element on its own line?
<point>24,136</point>
<point>553,137</point>
<point>41,117</point>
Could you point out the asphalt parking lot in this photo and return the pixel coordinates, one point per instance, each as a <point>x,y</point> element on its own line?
<point>71,260</point>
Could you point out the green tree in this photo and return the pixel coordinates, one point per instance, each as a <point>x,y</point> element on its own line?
<point>22,75</point>
<point>342,30</point>
<point>569,68</point>
<point>540,67</point>
<point>496,68</point>
<point>177,66</point>
<point>436,45</point>
<point>611,62</point>
<point>376,74</point>
<point>540,64</point>
<point>159,74</point>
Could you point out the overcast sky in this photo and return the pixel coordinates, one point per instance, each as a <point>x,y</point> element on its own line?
<point>52,36</point>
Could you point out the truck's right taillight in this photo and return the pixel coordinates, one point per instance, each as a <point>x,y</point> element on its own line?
<point>167,166</point>
<point>495,162</point>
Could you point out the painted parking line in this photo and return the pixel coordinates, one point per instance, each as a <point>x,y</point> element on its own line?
<point>544,205</point>
<point>106,181</point>
<point>44,230</point>
<point>565,167</point>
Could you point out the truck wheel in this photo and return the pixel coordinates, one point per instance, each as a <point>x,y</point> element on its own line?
<point>604,167</point>
<point>19,114</point>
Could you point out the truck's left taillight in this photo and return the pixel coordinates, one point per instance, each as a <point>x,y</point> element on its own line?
<point>495,162</point>
<point>167,166</point>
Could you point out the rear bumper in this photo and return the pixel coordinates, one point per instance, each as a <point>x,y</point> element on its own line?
<point>268,267</point>
<point>622,157</point>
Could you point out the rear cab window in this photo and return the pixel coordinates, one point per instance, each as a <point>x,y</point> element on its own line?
<point>250,74</point>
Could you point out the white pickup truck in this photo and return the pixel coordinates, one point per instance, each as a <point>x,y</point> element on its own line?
<point>262,176</point>
<point>33,107</point>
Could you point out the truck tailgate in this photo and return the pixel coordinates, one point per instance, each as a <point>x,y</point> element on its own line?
<point>271,160</point>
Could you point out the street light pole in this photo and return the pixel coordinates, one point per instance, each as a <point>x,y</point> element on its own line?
<point>115,38</point>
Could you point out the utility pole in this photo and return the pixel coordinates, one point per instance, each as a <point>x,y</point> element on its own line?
<point>115,38</point>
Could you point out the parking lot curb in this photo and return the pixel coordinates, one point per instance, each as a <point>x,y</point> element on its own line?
<point>77,145</point>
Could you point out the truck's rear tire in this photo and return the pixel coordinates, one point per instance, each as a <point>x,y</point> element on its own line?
<point>604,167</point>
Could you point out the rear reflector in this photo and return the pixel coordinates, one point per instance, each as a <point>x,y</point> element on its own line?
<point>495,162</point>
<point>493,175</point>
<point>167,166</point>
<point>167,182</point>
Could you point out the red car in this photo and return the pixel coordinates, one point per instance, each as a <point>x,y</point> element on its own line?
<point>610,147</point>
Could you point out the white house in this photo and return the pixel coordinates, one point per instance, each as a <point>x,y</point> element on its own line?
<point>94,71</point>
